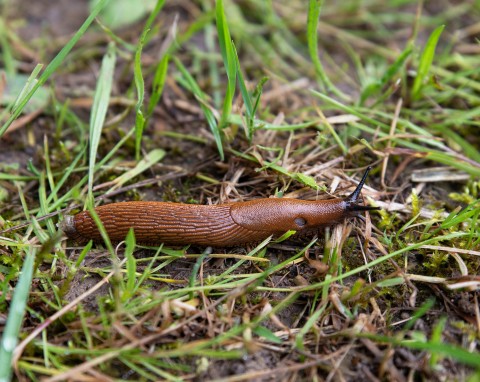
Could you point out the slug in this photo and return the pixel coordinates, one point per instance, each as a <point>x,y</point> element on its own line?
<point>224,225</point>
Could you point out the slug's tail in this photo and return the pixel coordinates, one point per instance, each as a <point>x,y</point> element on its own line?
<point>352,199</point>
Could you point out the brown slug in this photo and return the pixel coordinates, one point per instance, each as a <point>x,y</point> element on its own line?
<point>222,225</point>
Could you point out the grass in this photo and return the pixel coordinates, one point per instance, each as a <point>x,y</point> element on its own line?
<point>235,101</point>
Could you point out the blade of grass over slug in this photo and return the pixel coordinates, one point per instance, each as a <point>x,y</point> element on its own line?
<point>15,315</point>
<point>426,61</point>
<point>312,37</point>
<point>99,109</point>
<point>53,66</point>
<point>100,227</point>
<point>228,55</point>
<point>192,85</point>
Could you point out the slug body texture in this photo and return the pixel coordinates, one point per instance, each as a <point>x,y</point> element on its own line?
<point>223,225</point>
<point>216,225</point>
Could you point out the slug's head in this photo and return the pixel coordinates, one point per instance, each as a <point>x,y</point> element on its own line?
<point>352,207</point>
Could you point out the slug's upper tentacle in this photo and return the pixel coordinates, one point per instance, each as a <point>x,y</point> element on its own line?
<point>352,199</point>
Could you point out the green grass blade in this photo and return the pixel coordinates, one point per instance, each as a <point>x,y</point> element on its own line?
<point>436,338</point>
<point>257,94</point>
<point>245,94</point>
<point>140,118</point>
<point>15,316</point>
<point>424,137</point>
<point>467,148</point>
<point>447,350</point>
<point>101,228</point>
<point>28,86</point>
<point>66,174</point>
<point>228,56</point>
<point>99,109</point>
<point>262,331</point>
<point>426,61</point>
<point>140,86</point>
<point>453,161</point>
<point>312,37</point>
<point>211,47</point>
<point>386,257</point>
<point>158,83</point>
<point>153,14</point>
<point>195,89</point>
<point>153,157</point>
<point>313,319</point>
<point>54,64</point>
<point>196,268</point>
<point>131,265</point>
<point>387,77</point>
<point>397,65</point>
<point>250,104</point>
<point>7,57</point>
